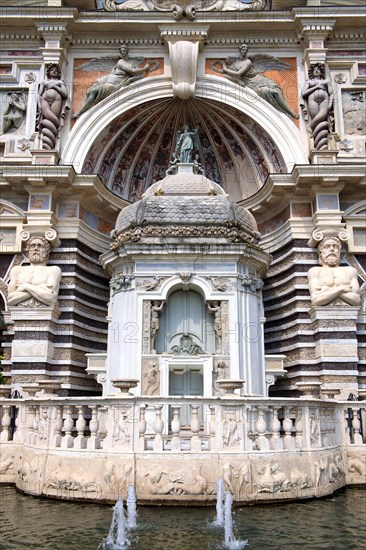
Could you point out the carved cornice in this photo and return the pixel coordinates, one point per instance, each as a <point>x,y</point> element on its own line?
<point>233,233</point>
<point>316,27</point>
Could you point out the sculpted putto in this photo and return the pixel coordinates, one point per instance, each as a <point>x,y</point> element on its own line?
<point>331,284</point>
<point>36,284</point>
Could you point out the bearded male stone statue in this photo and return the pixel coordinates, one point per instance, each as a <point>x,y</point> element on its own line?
<point>330,284</point>
<point>36,284</point>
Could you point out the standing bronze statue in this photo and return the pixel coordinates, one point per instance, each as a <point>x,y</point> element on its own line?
<point>186,142</point>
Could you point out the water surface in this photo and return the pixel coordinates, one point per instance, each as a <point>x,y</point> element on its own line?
<point>334,523</point>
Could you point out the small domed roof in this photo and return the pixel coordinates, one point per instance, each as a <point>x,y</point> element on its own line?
<point>187,205</point>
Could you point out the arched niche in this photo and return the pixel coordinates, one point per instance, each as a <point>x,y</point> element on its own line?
<point>185,317</point>
<point>128,140</point>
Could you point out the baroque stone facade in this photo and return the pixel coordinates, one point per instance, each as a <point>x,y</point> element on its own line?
<point>185,184</point>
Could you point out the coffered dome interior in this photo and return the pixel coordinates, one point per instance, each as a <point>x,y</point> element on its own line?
<point>134,150</point>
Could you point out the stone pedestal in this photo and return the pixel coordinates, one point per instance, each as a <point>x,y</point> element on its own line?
<point>32,351</point>
<point>336,352</point>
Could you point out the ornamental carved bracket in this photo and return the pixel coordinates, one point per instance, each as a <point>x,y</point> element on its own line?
<point>184,44</point>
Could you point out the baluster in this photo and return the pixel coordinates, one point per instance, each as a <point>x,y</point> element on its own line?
<point>356,427</point>
<point>251,434</point>
<point>299,427</point>
<point>175,427</point>
<point>5,421</point>
<point>58,426</point>
<point>288,440</point>
<point>80,439</point>
<point>158,426</point>
<point>35,425</point>
<point>93,441</point>
<point>348,426</point>
<point>195,428</point>
<point>30,423</point>
<point>16,432</point>
<point>212,427</point>
<point>68,441</point>
<point>276,442</point>
<point>142,427</point>
<point>261,427</point>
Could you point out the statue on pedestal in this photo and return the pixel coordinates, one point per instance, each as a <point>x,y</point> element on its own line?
<point>330,284</point>
<point>186,141</point>
<point>37,284</point>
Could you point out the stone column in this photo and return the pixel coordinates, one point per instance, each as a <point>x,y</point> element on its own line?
<point>35,330</point>
<point>336,352</point>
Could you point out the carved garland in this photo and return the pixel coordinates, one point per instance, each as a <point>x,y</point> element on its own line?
<point>234,233</point>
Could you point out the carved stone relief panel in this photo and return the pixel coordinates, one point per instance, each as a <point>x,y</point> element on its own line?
<point>150,379</point>
<point>354,111</point>
<point>14,112</point>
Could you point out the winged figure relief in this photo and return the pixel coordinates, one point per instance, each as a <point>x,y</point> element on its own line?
<point>123,70</point>
<point>246,70</point>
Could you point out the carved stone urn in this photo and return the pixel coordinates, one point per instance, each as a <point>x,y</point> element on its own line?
<point>125,384</point>
<point>230,385</point>
<point>309,390</point>
<point>329,393</point>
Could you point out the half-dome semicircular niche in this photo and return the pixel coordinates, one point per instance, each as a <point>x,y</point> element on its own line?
<point>135,149</point>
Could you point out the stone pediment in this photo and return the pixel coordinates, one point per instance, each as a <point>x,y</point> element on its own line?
<point>9,210</point>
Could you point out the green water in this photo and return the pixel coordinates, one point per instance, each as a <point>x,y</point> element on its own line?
<point>334,523</point>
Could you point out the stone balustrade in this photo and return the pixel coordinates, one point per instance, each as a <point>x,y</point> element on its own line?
<point>174,449</point>
<point>173,425</point>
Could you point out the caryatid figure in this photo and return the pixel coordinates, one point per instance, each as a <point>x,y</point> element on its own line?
<point>36,284</point>
<point>331,284</point>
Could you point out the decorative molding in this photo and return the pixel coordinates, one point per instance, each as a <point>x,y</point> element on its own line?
<point>187,347</point>
<point>121,282</point>
<point>233,233</point>
<point>150,283</point>
<point>221,284</point>
<point>251,284</point>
